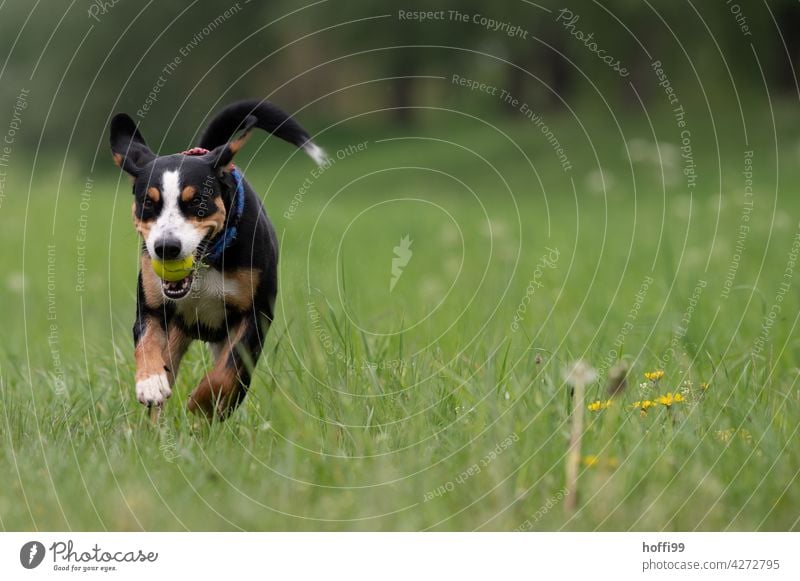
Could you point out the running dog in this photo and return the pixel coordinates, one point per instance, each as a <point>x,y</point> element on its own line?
<point>197,209</point>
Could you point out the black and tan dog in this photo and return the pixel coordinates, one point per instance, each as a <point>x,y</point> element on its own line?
<point>197,204</point>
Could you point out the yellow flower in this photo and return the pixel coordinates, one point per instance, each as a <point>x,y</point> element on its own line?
<point>598,405</point>
<point>670,398</point>
<point>654,375</point>
<point>591,461</point>
<point>704,386</point>
<point>644,405</point>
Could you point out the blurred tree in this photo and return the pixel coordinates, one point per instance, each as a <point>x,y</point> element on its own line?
<point>787,15</point>
<point>81,67</point>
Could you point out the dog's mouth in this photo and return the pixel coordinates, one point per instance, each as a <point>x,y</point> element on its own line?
<point>177,289</point>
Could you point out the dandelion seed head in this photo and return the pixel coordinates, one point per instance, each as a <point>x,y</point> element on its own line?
<point>580,372</point>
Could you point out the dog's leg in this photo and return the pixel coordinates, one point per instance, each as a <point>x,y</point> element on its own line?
<point>152,380</point>
<point>177,344</point>
<point>224,387</point>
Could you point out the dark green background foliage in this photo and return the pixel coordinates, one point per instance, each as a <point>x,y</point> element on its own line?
<point>439,402</point>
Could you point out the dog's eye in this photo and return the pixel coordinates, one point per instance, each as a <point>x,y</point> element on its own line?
<point>200,202</point>
<point>147,204</point>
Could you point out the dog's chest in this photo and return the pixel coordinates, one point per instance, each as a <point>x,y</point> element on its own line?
<point>205,303</point>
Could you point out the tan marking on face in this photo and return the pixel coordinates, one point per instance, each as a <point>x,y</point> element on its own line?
<point>149,350</point>
<point>151,284</point>
<point>142,226</point>
<point>243,283</point>
<point>117,159</point>
<point>212,223</point>
<point>154,194</point>
<point>188,193</point>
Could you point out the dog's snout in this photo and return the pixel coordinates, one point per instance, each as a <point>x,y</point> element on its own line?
<point>168,248</point>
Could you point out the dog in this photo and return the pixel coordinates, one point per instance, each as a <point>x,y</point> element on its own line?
<point>197,204</point>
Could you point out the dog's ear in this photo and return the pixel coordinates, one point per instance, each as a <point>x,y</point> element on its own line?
<point>128,146</point>
<point>220,157</point>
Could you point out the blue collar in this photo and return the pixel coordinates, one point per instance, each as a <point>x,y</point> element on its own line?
<point>228,235</point>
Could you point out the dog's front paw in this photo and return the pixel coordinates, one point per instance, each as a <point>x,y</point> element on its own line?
<point>153,390</point>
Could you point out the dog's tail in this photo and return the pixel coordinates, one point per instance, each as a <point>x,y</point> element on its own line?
<point>267,117</point>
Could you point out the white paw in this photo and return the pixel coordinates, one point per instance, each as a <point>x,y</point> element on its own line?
<point>153,390</point>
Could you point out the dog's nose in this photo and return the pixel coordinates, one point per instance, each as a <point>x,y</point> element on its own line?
<point>168,248</point>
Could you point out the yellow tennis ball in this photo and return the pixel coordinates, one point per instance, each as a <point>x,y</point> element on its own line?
<point>173,270</point>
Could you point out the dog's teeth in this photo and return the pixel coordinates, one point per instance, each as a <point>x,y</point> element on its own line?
<point>177,289</point>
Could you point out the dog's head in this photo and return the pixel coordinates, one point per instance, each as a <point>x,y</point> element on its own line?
<point>179,200</point>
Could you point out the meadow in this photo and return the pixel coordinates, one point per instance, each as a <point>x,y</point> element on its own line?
<point>431,396</point>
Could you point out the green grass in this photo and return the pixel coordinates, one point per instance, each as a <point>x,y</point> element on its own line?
<point>386,410</point>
